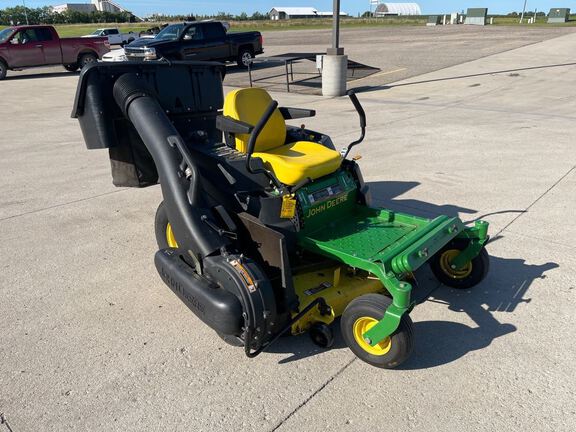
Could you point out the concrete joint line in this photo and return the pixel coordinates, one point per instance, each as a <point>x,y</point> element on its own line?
<point>309,398</point>
<point>536,200</point>
<point>60,205</point>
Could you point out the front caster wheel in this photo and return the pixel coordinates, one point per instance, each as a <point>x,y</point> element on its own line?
<point>470,275</point>
<point>163,230</point>
<point>360,316</point>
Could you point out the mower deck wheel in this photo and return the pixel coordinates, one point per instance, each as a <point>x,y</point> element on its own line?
<point>322,335</point>
<point>362,314</point>
<point>470,275</point>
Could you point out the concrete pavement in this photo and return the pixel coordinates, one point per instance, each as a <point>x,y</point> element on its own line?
<point>92,339</point>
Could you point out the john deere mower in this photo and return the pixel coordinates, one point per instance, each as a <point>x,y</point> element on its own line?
<point>265,229</point>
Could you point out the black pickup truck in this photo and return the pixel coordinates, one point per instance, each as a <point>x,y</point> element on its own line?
<point>197,41</point>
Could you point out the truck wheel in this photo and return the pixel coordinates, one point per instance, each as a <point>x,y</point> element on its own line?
<point>3,70</point>
<point>245,57</point>
<point>71,67</point>
<point>472,274</point>
<point>163,230</point>
<point>363,313</point>
<point>87,59</point>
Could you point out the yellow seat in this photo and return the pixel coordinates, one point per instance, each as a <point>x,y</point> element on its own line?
<point>290,162</point>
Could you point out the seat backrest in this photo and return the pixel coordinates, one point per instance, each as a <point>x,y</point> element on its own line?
<point>248,105</point>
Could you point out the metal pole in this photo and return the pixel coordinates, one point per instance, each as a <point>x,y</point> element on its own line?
<point>523,10</point>
<point>25,13</point>
<point>336,25</point>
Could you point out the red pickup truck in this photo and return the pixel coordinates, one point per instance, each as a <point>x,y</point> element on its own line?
<point>29,46</point>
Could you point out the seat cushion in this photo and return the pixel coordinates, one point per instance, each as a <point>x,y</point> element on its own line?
<point>248,105</point>
<point>298,160</point>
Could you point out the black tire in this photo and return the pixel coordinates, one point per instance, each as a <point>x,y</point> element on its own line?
<point>391,352</point>
<point>245,56</point>
<point>471,275</point>
<point>71,67</point>
<point>162,229</point>
<point>87,59</point>
<point>3,70</point>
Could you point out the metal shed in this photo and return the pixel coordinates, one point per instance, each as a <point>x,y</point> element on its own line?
<point>283,13</point>
<point>387,9</point>
<point>558,15</point>
<point>476,16</point>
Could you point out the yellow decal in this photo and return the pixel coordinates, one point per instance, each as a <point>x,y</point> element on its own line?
<point>327,205</point>
<point>288,207</point>
<point>245,275</point>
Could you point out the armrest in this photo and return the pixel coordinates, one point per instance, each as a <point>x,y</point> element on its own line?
<point>296,113</point>
<point>230,125</point>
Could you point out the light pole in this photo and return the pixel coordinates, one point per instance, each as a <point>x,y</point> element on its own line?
<point>335,64</point>
<point>523,10</point>
<point>25,13</point>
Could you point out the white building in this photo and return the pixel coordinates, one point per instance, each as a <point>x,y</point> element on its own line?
<point>284,13</point>
<point>95,5</point>
<point>387,9</point>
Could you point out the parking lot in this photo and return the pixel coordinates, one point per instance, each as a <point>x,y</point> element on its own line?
<point>478,123</point>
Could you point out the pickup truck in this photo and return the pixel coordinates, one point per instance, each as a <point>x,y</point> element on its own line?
<point>200,40</point>
<point>30,46</point>
<point>115,37</point>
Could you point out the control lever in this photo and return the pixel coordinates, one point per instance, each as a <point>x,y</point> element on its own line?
<point>352,95</point>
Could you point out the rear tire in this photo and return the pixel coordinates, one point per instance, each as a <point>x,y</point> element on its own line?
<point>245,57</point>
<point>87,59</point>
<point>3,70</point>
<point>359,316</point>
<point>163,230</point>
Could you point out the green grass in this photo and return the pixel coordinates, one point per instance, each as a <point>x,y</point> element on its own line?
<point>72,30</point>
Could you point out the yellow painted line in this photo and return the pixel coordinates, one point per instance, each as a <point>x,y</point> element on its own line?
<point>380,74</point>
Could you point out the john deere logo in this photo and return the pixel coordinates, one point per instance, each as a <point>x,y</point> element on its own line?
<point>327,205</point>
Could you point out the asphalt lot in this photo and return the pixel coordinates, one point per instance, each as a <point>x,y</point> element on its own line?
<point>92,339</point>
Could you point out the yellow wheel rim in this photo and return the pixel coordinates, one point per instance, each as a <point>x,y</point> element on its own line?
<point>445,264</point>
<point>361,326</point>
<point>170,239</point>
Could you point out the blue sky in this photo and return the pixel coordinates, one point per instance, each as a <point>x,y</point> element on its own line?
<point>145,7</point>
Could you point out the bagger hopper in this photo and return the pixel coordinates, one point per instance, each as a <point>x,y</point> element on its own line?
<point>265,229</point>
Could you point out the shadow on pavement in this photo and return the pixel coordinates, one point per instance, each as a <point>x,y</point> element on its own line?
<point>62,74</point>
<point>512,72</point>
<point>441,342</point>
<point>385,193</point>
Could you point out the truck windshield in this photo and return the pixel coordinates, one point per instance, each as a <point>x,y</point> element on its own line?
<point>172,32</point>
<point>5,34</point>
<point>96,33</point>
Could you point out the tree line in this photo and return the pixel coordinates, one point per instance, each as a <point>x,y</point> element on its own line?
<point>46,15</point>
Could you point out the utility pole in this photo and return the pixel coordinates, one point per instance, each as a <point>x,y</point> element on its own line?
<point>335,63</point>
<point>523,10</point>
<point>25,13</point>
<point>336,27</point>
